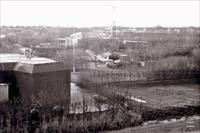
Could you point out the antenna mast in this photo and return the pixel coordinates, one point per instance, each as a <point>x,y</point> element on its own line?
<point>114,24</point>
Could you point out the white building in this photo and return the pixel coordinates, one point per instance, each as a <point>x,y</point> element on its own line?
<point>63,41</point>
<point>69,41</point>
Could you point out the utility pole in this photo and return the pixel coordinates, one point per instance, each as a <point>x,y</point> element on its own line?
<point>73,50</point>
<point>74,37</point>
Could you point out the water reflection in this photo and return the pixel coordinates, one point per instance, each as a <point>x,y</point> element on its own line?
<point>78,95</point>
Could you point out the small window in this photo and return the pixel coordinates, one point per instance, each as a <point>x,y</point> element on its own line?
<point>4,92</point>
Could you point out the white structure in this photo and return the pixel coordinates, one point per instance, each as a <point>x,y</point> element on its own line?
<point>4,95</point>
<point>63,41</point>
<point>69,41</point>
<point>75,37</point>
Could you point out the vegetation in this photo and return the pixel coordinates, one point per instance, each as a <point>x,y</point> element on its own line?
<point>167,56</point>
<point>16,117</point>
<point>164,50</point>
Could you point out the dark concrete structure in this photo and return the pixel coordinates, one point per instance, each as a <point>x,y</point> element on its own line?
<point>35,79</point>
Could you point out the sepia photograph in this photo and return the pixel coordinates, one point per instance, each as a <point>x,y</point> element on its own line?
<point>104,66</point>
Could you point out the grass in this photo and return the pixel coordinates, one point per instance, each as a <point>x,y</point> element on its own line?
<point>166,96</point>
<point>175,127</point>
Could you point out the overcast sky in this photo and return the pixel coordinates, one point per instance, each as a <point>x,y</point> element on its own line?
<point>100,13</point>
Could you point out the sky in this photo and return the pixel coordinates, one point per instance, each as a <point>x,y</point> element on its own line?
<point>100,13</point>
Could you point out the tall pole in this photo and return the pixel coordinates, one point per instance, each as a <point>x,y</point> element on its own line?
<point>114,23</point>
<point>73,49</point>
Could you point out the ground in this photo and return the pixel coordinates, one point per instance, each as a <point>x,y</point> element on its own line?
<point>165,96</point>
<point>161,96</point>
<point>167,127</point>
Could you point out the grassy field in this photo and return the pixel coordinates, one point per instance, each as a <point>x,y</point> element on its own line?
<point>173,95</point>
<point>171,127</point>
<point>164,96</point>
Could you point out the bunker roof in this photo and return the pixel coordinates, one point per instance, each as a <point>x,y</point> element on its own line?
<point>20,63</point>
<point>5,58</point>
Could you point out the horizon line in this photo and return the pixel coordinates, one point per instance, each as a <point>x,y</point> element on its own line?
<point>100,26</point>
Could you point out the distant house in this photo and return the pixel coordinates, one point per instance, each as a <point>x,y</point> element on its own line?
<point>69,41</point>
<point>35,79</point>
<point>63,41</point>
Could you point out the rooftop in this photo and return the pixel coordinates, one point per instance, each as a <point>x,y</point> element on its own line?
<point>20,63</point>
<point>18,58</point>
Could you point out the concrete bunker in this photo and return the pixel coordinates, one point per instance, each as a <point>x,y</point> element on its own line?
<point>35,79</point>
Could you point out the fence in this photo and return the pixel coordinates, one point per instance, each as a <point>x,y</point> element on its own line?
<point>141,76</point>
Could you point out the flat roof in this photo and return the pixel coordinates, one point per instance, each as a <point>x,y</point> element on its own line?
<point>20,63</point>
<point>18,58</point>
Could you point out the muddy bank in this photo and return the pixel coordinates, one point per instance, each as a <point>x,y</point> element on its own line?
<point>169,112</point>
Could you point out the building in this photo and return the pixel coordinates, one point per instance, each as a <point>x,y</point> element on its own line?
<point>35,79</point>
<point>70,41</point>
<point>63,41</point>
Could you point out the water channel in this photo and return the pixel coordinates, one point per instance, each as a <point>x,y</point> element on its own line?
<point>78,95</point>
